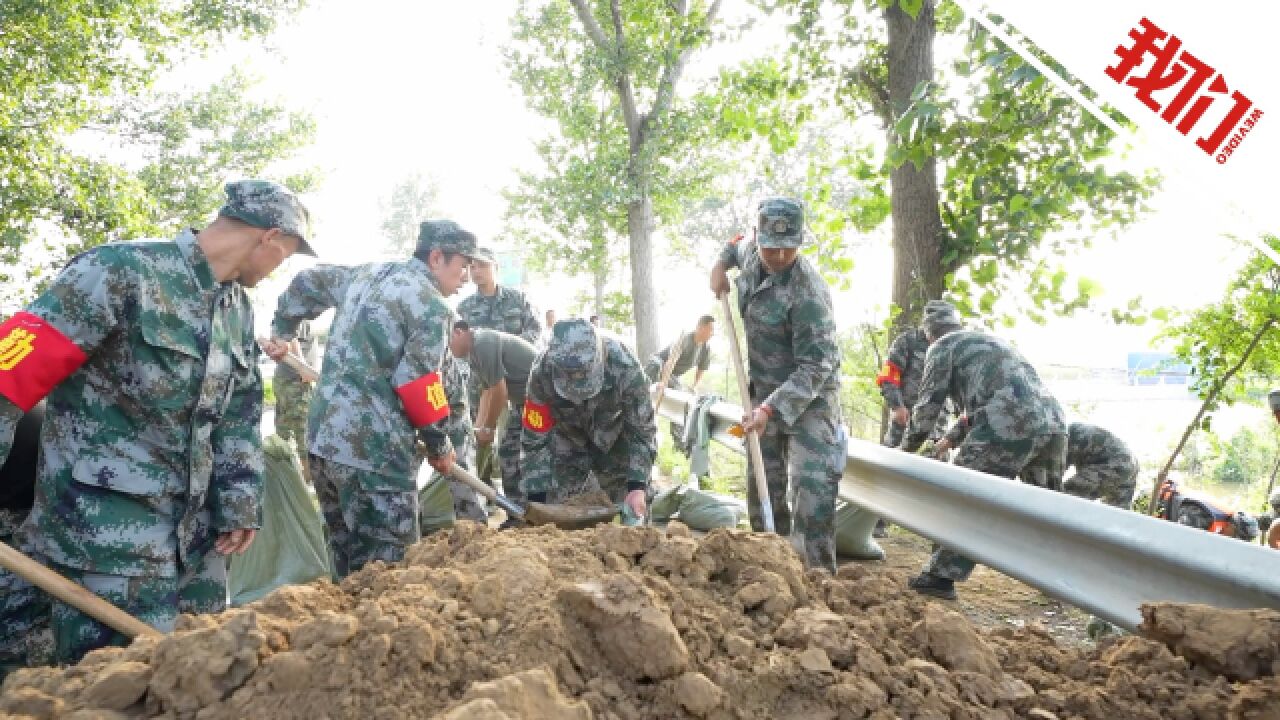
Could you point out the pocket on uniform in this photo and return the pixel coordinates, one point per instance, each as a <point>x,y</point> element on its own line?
<point>165,366</point>
<point>139,476</point>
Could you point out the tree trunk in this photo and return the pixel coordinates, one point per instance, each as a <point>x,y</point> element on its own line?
<point>917,223</point>
<point>598,279</point>
<point>643,293</point>
<point>1204,407</point>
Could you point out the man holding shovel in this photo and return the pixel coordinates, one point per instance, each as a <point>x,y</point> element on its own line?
<point>382,388</point>
<point>587,412</point>
<point>151,455</point>
<point>794,364</point>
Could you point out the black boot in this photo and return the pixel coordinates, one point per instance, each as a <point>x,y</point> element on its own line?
<point>928,584</point>
<point>882,529</point>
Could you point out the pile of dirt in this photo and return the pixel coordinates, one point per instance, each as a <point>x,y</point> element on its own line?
<point>634,623</point>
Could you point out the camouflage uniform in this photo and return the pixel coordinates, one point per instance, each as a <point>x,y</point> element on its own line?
<point>586,412</point>
<point>495,357</point>
<point>899,382</point>
<point>794,367</point>
<point>151,447</point>
<point>293,397</point>
<point>384,364</point>
<point>1105,468</point>
<point>466,503</point>
<point>691,354</point>
<point>24,610</point>
<point>508,311</point>
<point>1013,426</point>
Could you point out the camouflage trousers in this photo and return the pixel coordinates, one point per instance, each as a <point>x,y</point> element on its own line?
<point>488,461</point>
<point>369,516</point>
<point>466,502</point>
<point>293,401</point>
<point>1039,460</point>
<point>802,464</point>
<point>509,456</point>
<point>157,601</point>
<point>25,637</point>
<point>1113,484</point>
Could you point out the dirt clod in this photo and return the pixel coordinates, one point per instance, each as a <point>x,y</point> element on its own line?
<point>618,623</point>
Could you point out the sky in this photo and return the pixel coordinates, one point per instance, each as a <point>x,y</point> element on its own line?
<point>404,86</point>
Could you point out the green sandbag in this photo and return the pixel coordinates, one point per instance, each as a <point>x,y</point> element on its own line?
<point>666,504</point>
<point>435,505</point>
<point>290,548</point>
<point>704,511</point>
<point>854,525</point>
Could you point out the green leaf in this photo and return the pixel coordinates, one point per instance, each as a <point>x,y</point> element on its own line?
<point>911,7</point>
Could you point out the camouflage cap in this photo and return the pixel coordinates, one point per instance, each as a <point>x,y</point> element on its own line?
<point>576,356</point>
<point>939,315</point>
<point>446,235</point>
<point>780,223</point>
<point>264,204</point>
<point>485,255</point>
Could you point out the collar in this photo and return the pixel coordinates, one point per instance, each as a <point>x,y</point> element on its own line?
<point>418,265</point>
<point>198,263</point>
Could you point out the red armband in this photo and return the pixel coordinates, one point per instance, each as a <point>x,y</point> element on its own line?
<point>890,373</point>
<point>424,400</point>
<point>34,357</point>
<point>537,417</point>
<point>736,239</point>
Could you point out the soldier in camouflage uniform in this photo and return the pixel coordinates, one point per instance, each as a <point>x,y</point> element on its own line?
<point>1105,468</point>
<point>500,364</point>
<point>794,367</point>
<point>587,413</point>
<point>381,389</point>
<point>1012,426</point>
<point>151,455</point>
<point>293,396</point>
<point>501,308</point>
<point>692,351</point>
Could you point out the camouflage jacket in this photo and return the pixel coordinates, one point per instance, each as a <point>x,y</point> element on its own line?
<point>903,370</point>
<point>690,354</point>
<point>998,391</point>
<point>153,445</point>
<point>1095,448</point>
<point>458,425</point>
<point>621,406</point>
<point>391,328</point>
<point>508,311</point>
<point>792,354</point>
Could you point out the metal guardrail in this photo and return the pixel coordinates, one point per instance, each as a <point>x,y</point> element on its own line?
<point>1099,558</point>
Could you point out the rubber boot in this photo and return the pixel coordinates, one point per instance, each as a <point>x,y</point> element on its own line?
<point>854,525</point>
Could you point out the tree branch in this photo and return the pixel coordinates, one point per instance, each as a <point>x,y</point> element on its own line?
<point>626,96</point>
<point>594,31</point>
<point>672,71</point>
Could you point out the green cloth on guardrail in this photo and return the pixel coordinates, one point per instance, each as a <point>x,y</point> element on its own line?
<point>289,548</point>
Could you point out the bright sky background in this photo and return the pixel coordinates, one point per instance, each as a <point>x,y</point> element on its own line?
<point>403,86</point>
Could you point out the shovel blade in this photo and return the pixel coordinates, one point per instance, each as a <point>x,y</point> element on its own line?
<point>569,517</point>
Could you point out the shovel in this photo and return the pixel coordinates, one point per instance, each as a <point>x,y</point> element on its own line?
<point>753,440</point>
<point>565,517</point>
<point>72,594</point>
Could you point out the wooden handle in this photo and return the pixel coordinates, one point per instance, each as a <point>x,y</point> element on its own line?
<point>300,366</point>
<point>464,476</point>
<point>753,440</point>
<point>667,367</point>
<point>72,594</point>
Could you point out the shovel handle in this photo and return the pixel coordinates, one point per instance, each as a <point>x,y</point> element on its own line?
<point>300,366</point>
<point>461,474</point>
<point>71,593</point>
<point>753,440</point>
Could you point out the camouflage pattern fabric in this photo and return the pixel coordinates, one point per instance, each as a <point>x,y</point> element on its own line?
<point>496,357</point>
<point>1038,460</point>
<point>906,356</point>
<point>264,204</point>
<point>997,389</point>
<point>1105,468</point>
<point>509,455</point>
<point>794,367</point>
<point>610,433</point>
<point>26,639</point>
<point>366,518</point>
<point>157,601</point>
<point>690,355</point>
<point>293,401</point>
<point>391,328</point>
<point>507,310</point>
<point>466,503</point>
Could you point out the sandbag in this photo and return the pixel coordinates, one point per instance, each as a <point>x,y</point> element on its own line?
<point>290,547</point>
<point>698,509</point>
<point>435,504</point>
<point>854,525</point>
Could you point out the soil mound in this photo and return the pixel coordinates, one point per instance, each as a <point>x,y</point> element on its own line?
<point>637,623</point>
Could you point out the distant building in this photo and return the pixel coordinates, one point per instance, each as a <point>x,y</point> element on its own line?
<point>1156,368</point>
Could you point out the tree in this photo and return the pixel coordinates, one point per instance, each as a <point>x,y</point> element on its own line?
<point>1229,342</point>
<point>983,161</point>
<point>76,92</point>
<point>607,72</point>
<point>412,201</point>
